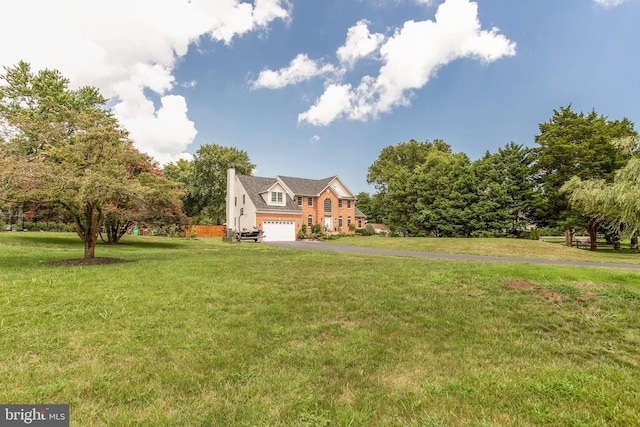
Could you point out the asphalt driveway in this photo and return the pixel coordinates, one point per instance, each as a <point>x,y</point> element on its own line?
<point>319,246</point>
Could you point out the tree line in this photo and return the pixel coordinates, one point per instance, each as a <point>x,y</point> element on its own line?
<point>65,156</point>
<point>583,174</point>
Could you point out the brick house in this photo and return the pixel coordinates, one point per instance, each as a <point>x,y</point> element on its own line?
<point>280,206</point>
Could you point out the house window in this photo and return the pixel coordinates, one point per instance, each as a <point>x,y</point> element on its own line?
<point>348,204</point>
<point>309,201</point>
<point>299,200</point>
<point>340,222</point>
<point>310,220</point>
<point>359,222</point>
<point>348,221</point>
<point>276,196</point>
<point>327,205</point>
<point>235,201</point>
<point>243,198</point>
<point>340,203</point>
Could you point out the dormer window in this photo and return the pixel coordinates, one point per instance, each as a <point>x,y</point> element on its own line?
<point>276,197</point>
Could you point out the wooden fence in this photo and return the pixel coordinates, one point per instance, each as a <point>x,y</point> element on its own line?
<point>207,230</point>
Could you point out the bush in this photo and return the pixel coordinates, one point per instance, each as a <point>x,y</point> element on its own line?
<point>46,226</point>
<point>316,228</point>
<point>301,235</point>
<point>370,230</point>
<point>484,233</point>
<point>534,234</point>
<point>551,231</point>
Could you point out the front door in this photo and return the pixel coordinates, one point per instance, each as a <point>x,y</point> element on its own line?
<point>328,223</point>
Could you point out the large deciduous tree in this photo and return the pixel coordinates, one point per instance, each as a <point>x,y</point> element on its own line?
<point>60,146</point>
<point>615,204</point>
<point>155,202</point>
<point>208,183</point>
<point>392,174</point>
<point>575,144</point>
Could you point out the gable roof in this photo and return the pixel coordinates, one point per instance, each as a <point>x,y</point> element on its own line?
<point>255,185</point>
<point>382,227</point>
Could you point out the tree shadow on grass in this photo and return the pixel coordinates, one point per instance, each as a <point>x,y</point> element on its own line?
<point>67,240</point>
<point>74,240</point>
<point>87,261</point>
<point>150,242</point>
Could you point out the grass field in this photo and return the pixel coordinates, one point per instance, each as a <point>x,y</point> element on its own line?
<point>200,332</point>
<point>497,247</point>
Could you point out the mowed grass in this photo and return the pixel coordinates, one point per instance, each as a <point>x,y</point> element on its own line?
<point>521,248</point>
<point>200,332</point>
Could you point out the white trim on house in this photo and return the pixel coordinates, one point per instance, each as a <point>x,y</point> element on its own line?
<point>276,195</point>
<point>340,189</point>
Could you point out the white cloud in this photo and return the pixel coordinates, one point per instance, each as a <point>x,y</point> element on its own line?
<point>301,68</point>
<point>609,3</point>
<point>163,130</point>
<point>314,138</point>
<point>334,102</point>
<point>409,59</point>
<point>126,47</point>
<point>360,43</point>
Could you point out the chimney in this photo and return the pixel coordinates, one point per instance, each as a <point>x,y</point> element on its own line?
<point>231,180</point>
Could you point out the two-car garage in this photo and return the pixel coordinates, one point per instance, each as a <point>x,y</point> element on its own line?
<point>279,231</point>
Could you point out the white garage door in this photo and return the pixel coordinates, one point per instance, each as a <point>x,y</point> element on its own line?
<point>279,231</point>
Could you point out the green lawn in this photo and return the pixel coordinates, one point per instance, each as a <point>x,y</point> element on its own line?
<point>200,332</point>
<point>495,247</point>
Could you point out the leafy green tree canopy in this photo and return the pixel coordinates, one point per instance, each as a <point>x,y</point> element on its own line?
<point>575,144</point>
<point>208,183</point>
<point>60,146</point>
<point>617,203</point>
<point>506,190</point>
<point>403,157</point>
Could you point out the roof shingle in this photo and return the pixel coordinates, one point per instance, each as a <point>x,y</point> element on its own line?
<point>254,185</point>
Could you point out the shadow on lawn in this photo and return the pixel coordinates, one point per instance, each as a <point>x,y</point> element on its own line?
<point>72,240</point>
<point>148,242</point>
<point>37,239</point>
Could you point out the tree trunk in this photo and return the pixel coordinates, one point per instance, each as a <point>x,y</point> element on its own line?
<point>115,231</point>
<point>568,237</point>
<point>634,242</point>
<point>90,247</point>
<point>593,235</point>
<point>88,229</point>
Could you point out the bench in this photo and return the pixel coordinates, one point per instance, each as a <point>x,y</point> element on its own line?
<point>586,243</point>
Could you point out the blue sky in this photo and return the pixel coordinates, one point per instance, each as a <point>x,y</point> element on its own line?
<point>317,88</point>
